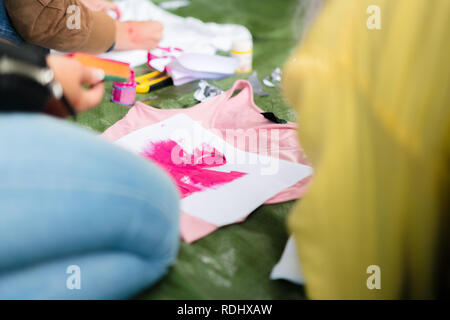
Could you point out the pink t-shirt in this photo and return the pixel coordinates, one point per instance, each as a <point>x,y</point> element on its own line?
<point>224,114</point>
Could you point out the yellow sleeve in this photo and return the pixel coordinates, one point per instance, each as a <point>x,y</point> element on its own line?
<point>374,118</point>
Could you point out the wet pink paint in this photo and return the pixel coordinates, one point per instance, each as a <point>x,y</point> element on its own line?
<point>190,171</point>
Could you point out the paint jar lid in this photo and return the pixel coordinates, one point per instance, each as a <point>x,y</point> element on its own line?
<point>242,45</point>
<point>129,84</point>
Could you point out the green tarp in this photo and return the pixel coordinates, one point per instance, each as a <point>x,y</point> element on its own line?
<point>233,262</point>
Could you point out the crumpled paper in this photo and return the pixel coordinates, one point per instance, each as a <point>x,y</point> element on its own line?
<point>206,91</point>
<point>257,85</point>
<point>273,80</point>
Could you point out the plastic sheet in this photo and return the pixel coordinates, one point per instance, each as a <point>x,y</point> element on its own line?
<point>236,261</point>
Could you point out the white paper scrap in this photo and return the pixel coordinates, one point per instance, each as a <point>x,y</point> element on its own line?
<point>288,268</point>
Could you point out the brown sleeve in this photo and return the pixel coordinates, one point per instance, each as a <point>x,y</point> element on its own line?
<point>46,23</point>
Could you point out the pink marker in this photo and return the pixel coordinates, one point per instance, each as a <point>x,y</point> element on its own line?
<point>118,13</point>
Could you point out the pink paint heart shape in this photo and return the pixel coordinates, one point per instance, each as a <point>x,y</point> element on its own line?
<point>190,171</point>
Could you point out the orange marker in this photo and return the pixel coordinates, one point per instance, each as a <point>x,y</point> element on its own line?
<point>114,70</point>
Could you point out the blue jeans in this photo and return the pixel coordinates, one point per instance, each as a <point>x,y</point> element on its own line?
<point>68,198</point>
<point>7,31</point>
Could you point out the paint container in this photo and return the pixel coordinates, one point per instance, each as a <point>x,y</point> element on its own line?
<point>124,93</point>
<point>242,50</point>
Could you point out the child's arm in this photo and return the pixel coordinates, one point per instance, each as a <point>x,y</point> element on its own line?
<point>47,23</point>
<point>131,35</point>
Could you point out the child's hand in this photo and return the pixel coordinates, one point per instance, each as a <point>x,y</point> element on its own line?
<point>73,77</point>
<point>133,35</point>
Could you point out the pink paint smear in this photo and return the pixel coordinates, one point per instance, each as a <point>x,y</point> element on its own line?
<point>190,171</point>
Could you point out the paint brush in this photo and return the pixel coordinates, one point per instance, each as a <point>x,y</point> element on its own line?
<point>114,70</point>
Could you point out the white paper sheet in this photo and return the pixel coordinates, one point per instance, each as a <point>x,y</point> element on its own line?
<point>189,34</point>
<point>266,176</point>
<point>288,268</point>
<point>206,63</point>
<point>192,66</point>
<point>133,57</point>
